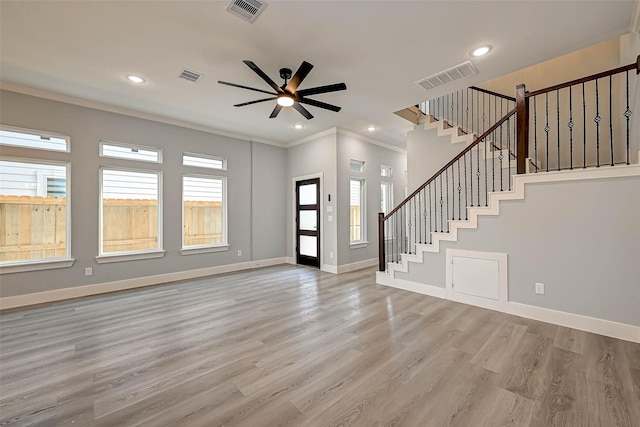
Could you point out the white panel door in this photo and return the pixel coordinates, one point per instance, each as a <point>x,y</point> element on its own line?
<point>477,277</point>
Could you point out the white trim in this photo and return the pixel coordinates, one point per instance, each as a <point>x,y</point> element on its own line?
<point>204,249</point>
<point>120,285</point>
<point>129,256</point>
<point>207,157</point>
<point>41,264</point>
<point>39,93</point>
<point>290,260</point>
<point>503,287</point>
<point>359,265</point>
<point>269,262</point>
<point>331,131</point>
<point>635,18</point>
<point>329,268</point>
<point>383,278</point>
<point>345,132</point>
<point>576,321</point>
<point>359,244</point>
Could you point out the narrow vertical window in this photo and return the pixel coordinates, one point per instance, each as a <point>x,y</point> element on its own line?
<point>356,208</point>
<point>386,197</point>
<point>203,212</point>
<point>130,211</point>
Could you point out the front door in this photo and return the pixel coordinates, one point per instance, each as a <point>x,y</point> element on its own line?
<point>308,222</point>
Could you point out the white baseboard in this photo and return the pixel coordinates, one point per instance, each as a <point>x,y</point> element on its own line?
<point>357,265</point>
<point>120,285</point>
<point>383,278</point>
<point>330,268</point>
<point>570,320</point>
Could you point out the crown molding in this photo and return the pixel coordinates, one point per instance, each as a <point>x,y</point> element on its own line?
<point>345,132</point>
<point>635,17</point>
<point>54,96</point>
<point>313,137</point>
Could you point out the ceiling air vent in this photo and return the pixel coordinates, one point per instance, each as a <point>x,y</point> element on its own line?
<point>249,10</point>
<point>189,75</point>
<point>458,72</point>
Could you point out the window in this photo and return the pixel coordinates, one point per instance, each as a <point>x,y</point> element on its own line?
<point>356,165</point>
<point>34,208</point>
<point>386,197</point>
<point>356,207</point>
<point>203,212</point>
<point>204,161</point>
<point>385,171</point>
<point>120,150</point>
<point>130,211</point>
<point>33,139</point>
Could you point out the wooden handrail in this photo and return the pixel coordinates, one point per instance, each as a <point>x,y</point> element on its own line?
<point>635,65</point>
<point>499,95</point>
<point>455,159</point>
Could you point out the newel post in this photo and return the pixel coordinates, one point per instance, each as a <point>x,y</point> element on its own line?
<point>522,110</point>
<point>381,256</point>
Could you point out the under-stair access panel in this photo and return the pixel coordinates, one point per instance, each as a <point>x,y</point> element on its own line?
<point>477,278</point>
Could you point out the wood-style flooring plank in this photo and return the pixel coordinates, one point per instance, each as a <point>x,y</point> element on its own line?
<point>293,346</point>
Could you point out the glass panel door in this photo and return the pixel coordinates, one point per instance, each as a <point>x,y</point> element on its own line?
<point>308,222</point>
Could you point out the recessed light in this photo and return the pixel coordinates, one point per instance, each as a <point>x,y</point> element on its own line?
<point>482,50</point>
<point>371,128</point>
<point>298,126</point>
<point>135,79</point>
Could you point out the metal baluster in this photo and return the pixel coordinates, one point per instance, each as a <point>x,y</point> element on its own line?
<point>501,158</point>
<point>471,174</point>
<point>435,209</point>
<point>627,114</point>
<point>547,128</point>
<point>570,124</point>
<point>453,192</point>
<point>493,163</point>
<point>509,152</point>
<point>535,132</point>
<point>459,191</point>
<point>486,182</point>
<point>467,113</point>
<point>458,108</point>
<point>597,120</point>
<point>478,171</point>
<point>446,174</point>
<point>558,123</point>
<point>584,131</point>
<point>415,223</point>
<point>430,216</point>
<point>472,127</point>
<point>441,207</point>
<point>483,123</point>
<point>419,217</point>
<point>466,203</point>
<point>611,118</point>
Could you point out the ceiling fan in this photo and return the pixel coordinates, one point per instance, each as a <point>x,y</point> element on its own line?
<point>287,95</point>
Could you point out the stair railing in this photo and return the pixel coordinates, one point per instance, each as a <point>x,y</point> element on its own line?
<point>473,109</point>
<point>578,124</point>
<point>602,98</point>
<point>465,181</point>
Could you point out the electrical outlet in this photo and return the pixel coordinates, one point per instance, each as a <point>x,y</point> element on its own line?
<point>540,288</point>
<point>331,254</point>
<point>239,252</point>
<point>88,271</point>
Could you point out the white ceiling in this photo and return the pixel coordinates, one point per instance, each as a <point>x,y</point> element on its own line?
<point>379,49</point>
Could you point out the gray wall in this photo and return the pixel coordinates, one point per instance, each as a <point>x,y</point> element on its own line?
<point>354,147</point>
<point>250,209</point>
<point>580,238</point>
<point>427,153</point>
<point>314,157</point>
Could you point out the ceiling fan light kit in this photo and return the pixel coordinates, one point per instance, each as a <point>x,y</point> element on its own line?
<point>288,94</point>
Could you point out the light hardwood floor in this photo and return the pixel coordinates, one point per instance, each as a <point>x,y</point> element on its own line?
<point>294,346</point>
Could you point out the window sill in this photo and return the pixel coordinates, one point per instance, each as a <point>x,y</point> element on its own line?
<point>104,259</point>
<point>46,264</point>
<point>357,245</point>
<point>204,250</point>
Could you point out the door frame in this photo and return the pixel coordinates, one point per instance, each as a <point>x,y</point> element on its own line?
<point>294,240</point>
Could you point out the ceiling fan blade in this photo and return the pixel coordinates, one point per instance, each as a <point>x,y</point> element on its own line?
<point>322,89</point>
<point>245,87</point>
<point>255,102</point>
<point>263,76</point>
<point>320,104</point>
<point>300,109</point>
<point>298,77</point>
<point>276,111</point>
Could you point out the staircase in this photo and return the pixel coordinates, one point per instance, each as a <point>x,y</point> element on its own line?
<point>576,131</point>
